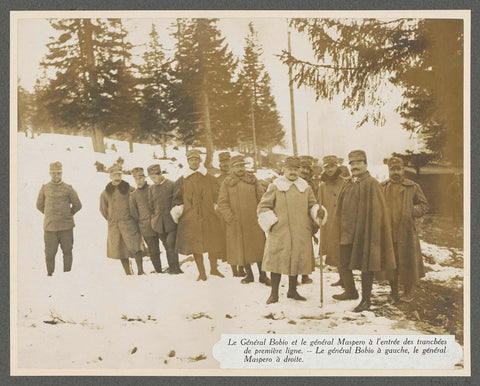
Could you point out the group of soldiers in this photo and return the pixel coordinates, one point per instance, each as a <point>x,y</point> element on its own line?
<point>244,221</point>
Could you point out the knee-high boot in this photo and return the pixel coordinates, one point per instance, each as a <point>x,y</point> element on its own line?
<point>214,266</point>
<point>367,283</point>
<point>263,278</point>
<point>200,266</point>
<point>292,289</point>
<point>275,277</point>
<point>249,278</point>
<point>350,292</point>
<point>139,261</point>
<point>127,266</point>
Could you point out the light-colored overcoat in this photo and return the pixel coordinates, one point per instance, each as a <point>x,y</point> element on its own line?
<point>414,205</point>
<point>237,204</point>
<point>287,212</point>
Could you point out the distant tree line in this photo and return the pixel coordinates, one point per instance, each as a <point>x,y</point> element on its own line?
<point>200,95</point>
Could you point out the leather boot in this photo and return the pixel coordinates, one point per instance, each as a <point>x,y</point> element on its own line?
<point>292,289</point>
<point>275,284</point>
<point>394,294</point>
<point>350,292</point>
<point>127,266</point>
<point>234,270</point>
<point>367,283</point>
<point>139,261</point>
<point>409,294</point>
<point>263,278</point>
<point>214,266</point>
<point>249,278</point>
<point>241,271</point>
<point>306,279</point>
<point>200,266</point>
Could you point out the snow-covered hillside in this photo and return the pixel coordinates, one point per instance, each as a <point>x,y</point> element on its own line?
<point>95,317</point>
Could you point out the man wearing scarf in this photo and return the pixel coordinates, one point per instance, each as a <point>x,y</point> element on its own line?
<point>405,202</point>
<point>360,236</point>
<point>332,182</point>
<point>194,201</point>
<point>287,213</point>
<point>239,195</point>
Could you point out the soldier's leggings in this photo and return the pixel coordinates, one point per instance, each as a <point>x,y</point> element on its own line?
<point>52,240</point>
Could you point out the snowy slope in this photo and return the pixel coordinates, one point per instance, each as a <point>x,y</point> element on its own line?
<point>98,318</point>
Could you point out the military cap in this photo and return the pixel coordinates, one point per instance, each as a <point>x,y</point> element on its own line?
<point>224,156</point>
<point>138,172</point>
<point>56,166</point>
<point>357,155</point>
<point>193,153</point>
<point>292,162</point>
<point>154,169</point>
<point>330,160</point>
<point>395,161</point>
<point>306,160</point>
<point>237,159</point>
<point>115,169</point>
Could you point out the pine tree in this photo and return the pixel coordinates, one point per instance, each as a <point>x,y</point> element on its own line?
<point>257,104</point>
<point>25,109</point>
<point>204,68</point>
<point>156,90</point>
<point>86,66</point>
<point>359,59</point>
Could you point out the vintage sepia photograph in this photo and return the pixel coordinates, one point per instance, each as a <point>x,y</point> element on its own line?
<point>232,192</point>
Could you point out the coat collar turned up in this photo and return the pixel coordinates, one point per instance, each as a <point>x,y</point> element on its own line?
<point>201,169</point>
<point>248,178</point>
<point>123,187</point>
<point>283,184</point>
<point>405,182</point>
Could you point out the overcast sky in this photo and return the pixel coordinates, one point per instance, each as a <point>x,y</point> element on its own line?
<point>332,130</point>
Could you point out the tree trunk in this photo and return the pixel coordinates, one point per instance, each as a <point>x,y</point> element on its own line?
<point>164,146</point>
<point>97,140</point>
<point>206,124</point>
<point>130,142</point>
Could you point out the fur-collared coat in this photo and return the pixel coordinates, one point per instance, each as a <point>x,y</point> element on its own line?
<point>366,227</point>
<point>124,237</point>
<point>327,196</point>
<point>413,204</point>
<point>237,204</point>
<point>286,213</point>
<point>194,199</point>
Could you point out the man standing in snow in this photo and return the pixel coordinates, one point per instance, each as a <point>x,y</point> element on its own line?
<point>405,202</point>
<point>306,172</point>
<point>287,213</point>
<point>140,211</point>
<point>239,195</point>
<point>124,239</point>
<point>332,182</point>
<point>160,196</point>
<point>58,201</point>
<point>360,236</point>
<point>194,200</point>
<point>224,163</point>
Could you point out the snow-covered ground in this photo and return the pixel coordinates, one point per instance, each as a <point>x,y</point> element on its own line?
<point>95,317</point>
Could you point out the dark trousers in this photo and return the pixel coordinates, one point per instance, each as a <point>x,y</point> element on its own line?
<point>52,240</point>
<point>168,241</point>
<point>344,269</point>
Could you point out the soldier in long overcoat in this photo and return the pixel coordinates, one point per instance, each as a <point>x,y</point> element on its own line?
<point>124,239</point>
<point>194,200</point>
<point>306,172</point>
<point>405,202</point>
<point>239,196</point>
<point>331,183</point>
<point>360,236</point>
<point>160,197</point>
<point>58,201</point>
<point>287,213</point>
<point>224,163</point>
